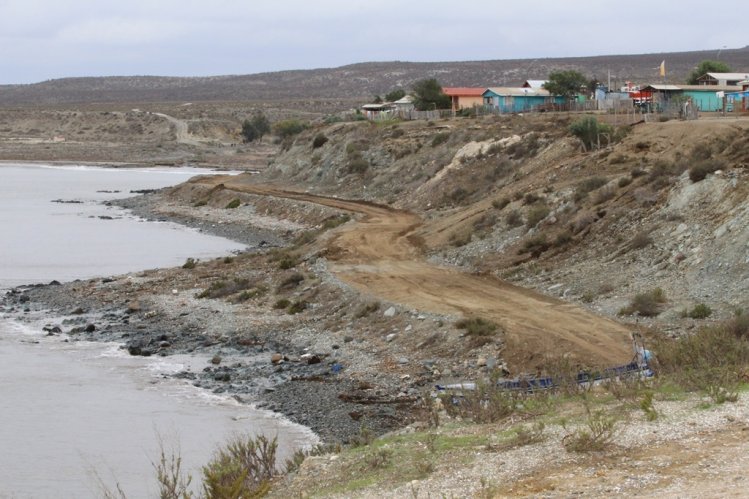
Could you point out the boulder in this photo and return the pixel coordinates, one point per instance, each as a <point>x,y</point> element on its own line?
<point>276,358</point>
<point>390,312</point>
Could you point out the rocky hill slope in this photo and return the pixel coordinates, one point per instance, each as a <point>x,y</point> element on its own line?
<point>357,81</point>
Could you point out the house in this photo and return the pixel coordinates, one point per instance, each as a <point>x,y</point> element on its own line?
<point>722,79</point>
<point>382,111</point>
<point>536,84</point>
<point>705,98</point>
<point>518,99</point>
<point>464,97</point>
<point>405,104</point>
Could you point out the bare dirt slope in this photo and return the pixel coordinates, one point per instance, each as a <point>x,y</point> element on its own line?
<point>376,256</point>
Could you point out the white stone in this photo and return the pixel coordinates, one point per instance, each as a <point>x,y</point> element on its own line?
<point>390,312</point>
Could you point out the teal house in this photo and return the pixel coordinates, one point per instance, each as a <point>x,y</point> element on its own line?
<point>518,100</point>
<point>705,98</point>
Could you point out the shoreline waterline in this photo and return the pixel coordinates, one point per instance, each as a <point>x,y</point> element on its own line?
<point>70,404</point>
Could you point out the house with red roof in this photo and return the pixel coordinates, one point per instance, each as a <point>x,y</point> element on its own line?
<point>464,97</point>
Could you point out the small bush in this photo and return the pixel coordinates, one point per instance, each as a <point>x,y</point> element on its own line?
<point>700,311</point>
<point>535,214</point>
<point>335,221</point>
<point>535,246</point>
<point>440,138</point>
<point>319,141</point>
<point>563,238</point>
<point>281,303</point>
<point>590,184</point>
<point>499,204</point>
<point>624,181</point>
<point>700,170</point>
<point>646,304</point>
<point>603,195</point>
<point>646,404</point>
<point>486,404</point>
<point>531,198</point>
<point>234,203</point>
<point>297,307</point>
<point>598,434</point>
<point>358,166</point>
<point>243,468</point>
<point>190,263</point>
<point>287,262</point>
<point>291,281</point>
<point>367,309</point>
<point>514,219</point>
<point>640,240</point>
<point>476,326</point>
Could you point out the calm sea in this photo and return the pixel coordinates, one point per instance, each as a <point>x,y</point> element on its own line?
<point>76,415</point>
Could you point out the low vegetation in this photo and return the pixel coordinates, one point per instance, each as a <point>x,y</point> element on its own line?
<point>648,304</point>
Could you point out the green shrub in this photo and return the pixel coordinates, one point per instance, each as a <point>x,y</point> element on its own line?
<point>700,170</point>
<point>476,326</point>
<point>281,303</point>
<point>287,262</point>
<point>499,204</point>
<point>598,433</point>
<point>486,404</point>
<point>590,184</point>
<point>358,166</point>
<point>514,219</point>
<point>624,181</point>
<point>535,245</point>
<point>367,309</point>
<point>289,128</point>
<point>646,304</point>
<point>241,469</point>
<point>234,203</point>
<point>190,263</point>
<point>297,307</point>
<point>588,129</point>
<point>319,141</point>
<point>535,214</point>
<point>440,138</point>
<point>700,311</point>
<point>291,281</point>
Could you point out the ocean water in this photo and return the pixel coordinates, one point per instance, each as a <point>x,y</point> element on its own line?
<point>76,416</point>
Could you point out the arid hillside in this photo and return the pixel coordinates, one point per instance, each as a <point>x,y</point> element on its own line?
<point>357,81</point>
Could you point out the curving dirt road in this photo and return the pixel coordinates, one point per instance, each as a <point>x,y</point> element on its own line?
<point>379,255</point>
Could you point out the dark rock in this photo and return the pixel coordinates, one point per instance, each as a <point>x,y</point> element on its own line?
<point>90,328</point>
<point>77,311</point>
<point>134,350</point>
<point>52,329</point>
<point>23,299</point>
<point>55,283</point>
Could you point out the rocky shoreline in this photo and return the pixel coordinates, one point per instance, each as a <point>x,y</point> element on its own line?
<point>283,368</point>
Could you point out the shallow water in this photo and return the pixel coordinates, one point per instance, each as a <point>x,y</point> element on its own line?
<point>74,414</point>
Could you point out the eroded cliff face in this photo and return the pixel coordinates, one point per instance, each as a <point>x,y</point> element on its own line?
<point>519,198</point>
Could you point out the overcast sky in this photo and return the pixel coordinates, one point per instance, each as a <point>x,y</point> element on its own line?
<point>45,39</point>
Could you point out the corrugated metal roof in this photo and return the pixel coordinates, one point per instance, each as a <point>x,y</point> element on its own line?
<point>693,88</point>
<point>463,91</point>
<point>518,91</point>
<point>728,76</point>
<point>711,88</point>
<point>674,88</point>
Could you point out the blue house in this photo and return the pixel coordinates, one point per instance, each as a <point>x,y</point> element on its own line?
<point>518,100</point>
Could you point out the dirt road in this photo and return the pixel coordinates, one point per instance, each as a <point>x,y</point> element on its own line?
<point>379,255</point>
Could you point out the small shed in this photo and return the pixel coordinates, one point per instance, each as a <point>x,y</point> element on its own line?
<point>722,79</point>
<point>464,97</point>
<point>518,99</point>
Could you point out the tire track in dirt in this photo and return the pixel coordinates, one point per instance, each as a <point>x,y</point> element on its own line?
<point>376,256</point>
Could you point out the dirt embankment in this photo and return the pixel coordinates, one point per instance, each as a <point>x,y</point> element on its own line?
<point>376,256</point>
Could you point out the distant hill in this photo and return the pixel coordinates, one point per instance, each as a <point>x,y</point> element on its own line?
<point>356,81</point>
